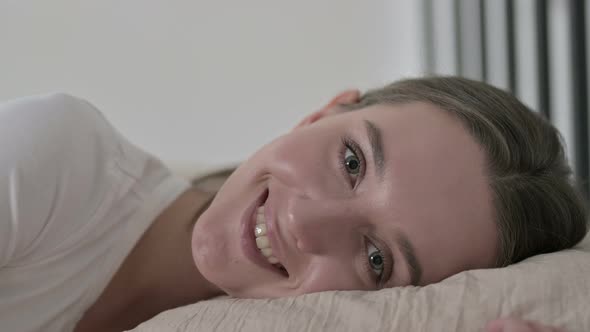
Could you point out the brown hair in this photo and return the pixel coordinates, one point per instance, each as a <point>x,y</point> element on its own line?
<point>539,208</point>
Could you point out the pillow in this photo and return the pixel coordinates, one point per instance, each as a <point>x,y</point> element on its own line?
<point>551,288</point>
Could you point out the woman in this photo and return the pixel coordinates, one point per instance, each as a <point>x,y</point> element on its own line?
<point>404,185</point>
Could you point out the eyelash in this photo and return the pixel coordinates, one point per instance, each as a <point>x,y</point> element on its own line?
<point>379,280</point>
<point>348,143</point>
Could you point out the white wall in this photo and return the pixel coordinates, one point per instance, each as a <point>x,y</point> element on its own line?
<point>205,82</point>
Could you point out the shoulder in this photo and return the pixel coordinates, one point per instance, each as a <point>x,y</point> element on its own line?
<point>55,114</point>
<point>56,139</point>
<point>59,105</point>
<point>55,171</point>
<point>54,128</point>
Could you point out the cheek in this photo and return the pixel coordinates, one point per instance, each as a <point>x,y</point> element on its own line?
<point>331,274</point>
<point>297,149</point>
<point>206,243</point>
<point>307,161</point>
<point>214,248</point>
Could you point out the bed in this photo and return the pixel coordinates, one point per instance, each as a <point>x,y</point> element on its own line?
<point>551,288</point>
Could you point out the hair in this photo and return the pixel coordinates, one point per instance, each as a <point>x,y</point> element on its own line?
<point>538,205</point>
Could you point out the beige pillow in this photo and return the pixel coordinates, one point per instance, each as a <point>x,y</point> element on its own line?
<point>552,288</point>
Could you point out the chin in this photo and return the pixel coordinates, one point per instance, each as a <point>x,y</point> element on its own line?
<point>223,239</point>
<point>215,244</point>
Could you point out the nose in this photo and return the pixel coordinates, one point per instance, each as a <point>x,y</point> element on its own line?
<point>320,226</point>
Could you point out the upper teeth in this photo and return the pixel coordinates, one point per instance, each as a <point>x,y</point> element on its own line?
<point>261,239</point>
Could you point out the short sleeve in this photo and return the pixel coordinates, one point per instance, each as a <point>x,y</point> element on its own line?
<point>54,170</point>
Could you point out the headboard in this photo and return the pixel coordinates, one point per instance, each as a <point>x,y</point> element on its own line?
<point>534,48</point>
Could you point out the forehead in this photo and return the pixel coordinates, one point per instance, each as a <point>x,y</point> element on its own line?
<point>435,180</point>
<point>423,132</point>
<point>416,133</point>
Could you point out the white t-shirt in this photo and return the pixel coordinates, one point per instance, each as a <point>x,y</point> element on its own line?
<point>75,197</point>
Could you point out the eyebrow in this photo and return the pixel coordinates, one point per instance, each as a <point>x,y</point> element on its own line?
<point>409,254</point>
<point>374,134</point>
<point>406,247</point>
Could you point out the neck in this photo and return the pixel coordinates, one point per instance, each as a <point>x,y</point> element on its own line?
<point>166,263</point>
<point>159,273</point>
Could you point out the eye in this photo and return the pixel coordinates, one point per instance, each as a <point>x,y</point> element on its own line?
<point>375,260</point>
<point>352,162</point>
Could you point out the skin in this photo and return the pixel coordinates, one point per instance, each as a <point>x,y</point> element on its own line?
<point>433,189</point>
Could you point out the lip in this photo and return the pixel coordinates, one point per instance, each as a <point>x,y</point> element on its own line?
<point>272,232</point>
<point>248,239</point>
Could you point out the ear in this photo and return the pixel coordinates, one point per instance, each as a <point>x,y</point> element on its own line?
<point>343,98</point>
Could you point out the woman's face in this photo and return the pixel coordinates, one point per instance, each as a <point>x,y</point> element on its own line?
<point>379,197</point>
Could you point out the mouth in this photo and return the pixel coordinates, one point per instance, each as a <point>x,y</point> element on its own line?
<point>263,243</point>
<point>259,247</point>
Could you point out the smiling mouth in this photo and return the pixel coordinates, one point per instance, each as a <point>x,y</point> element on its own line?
<point>262,241</point>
